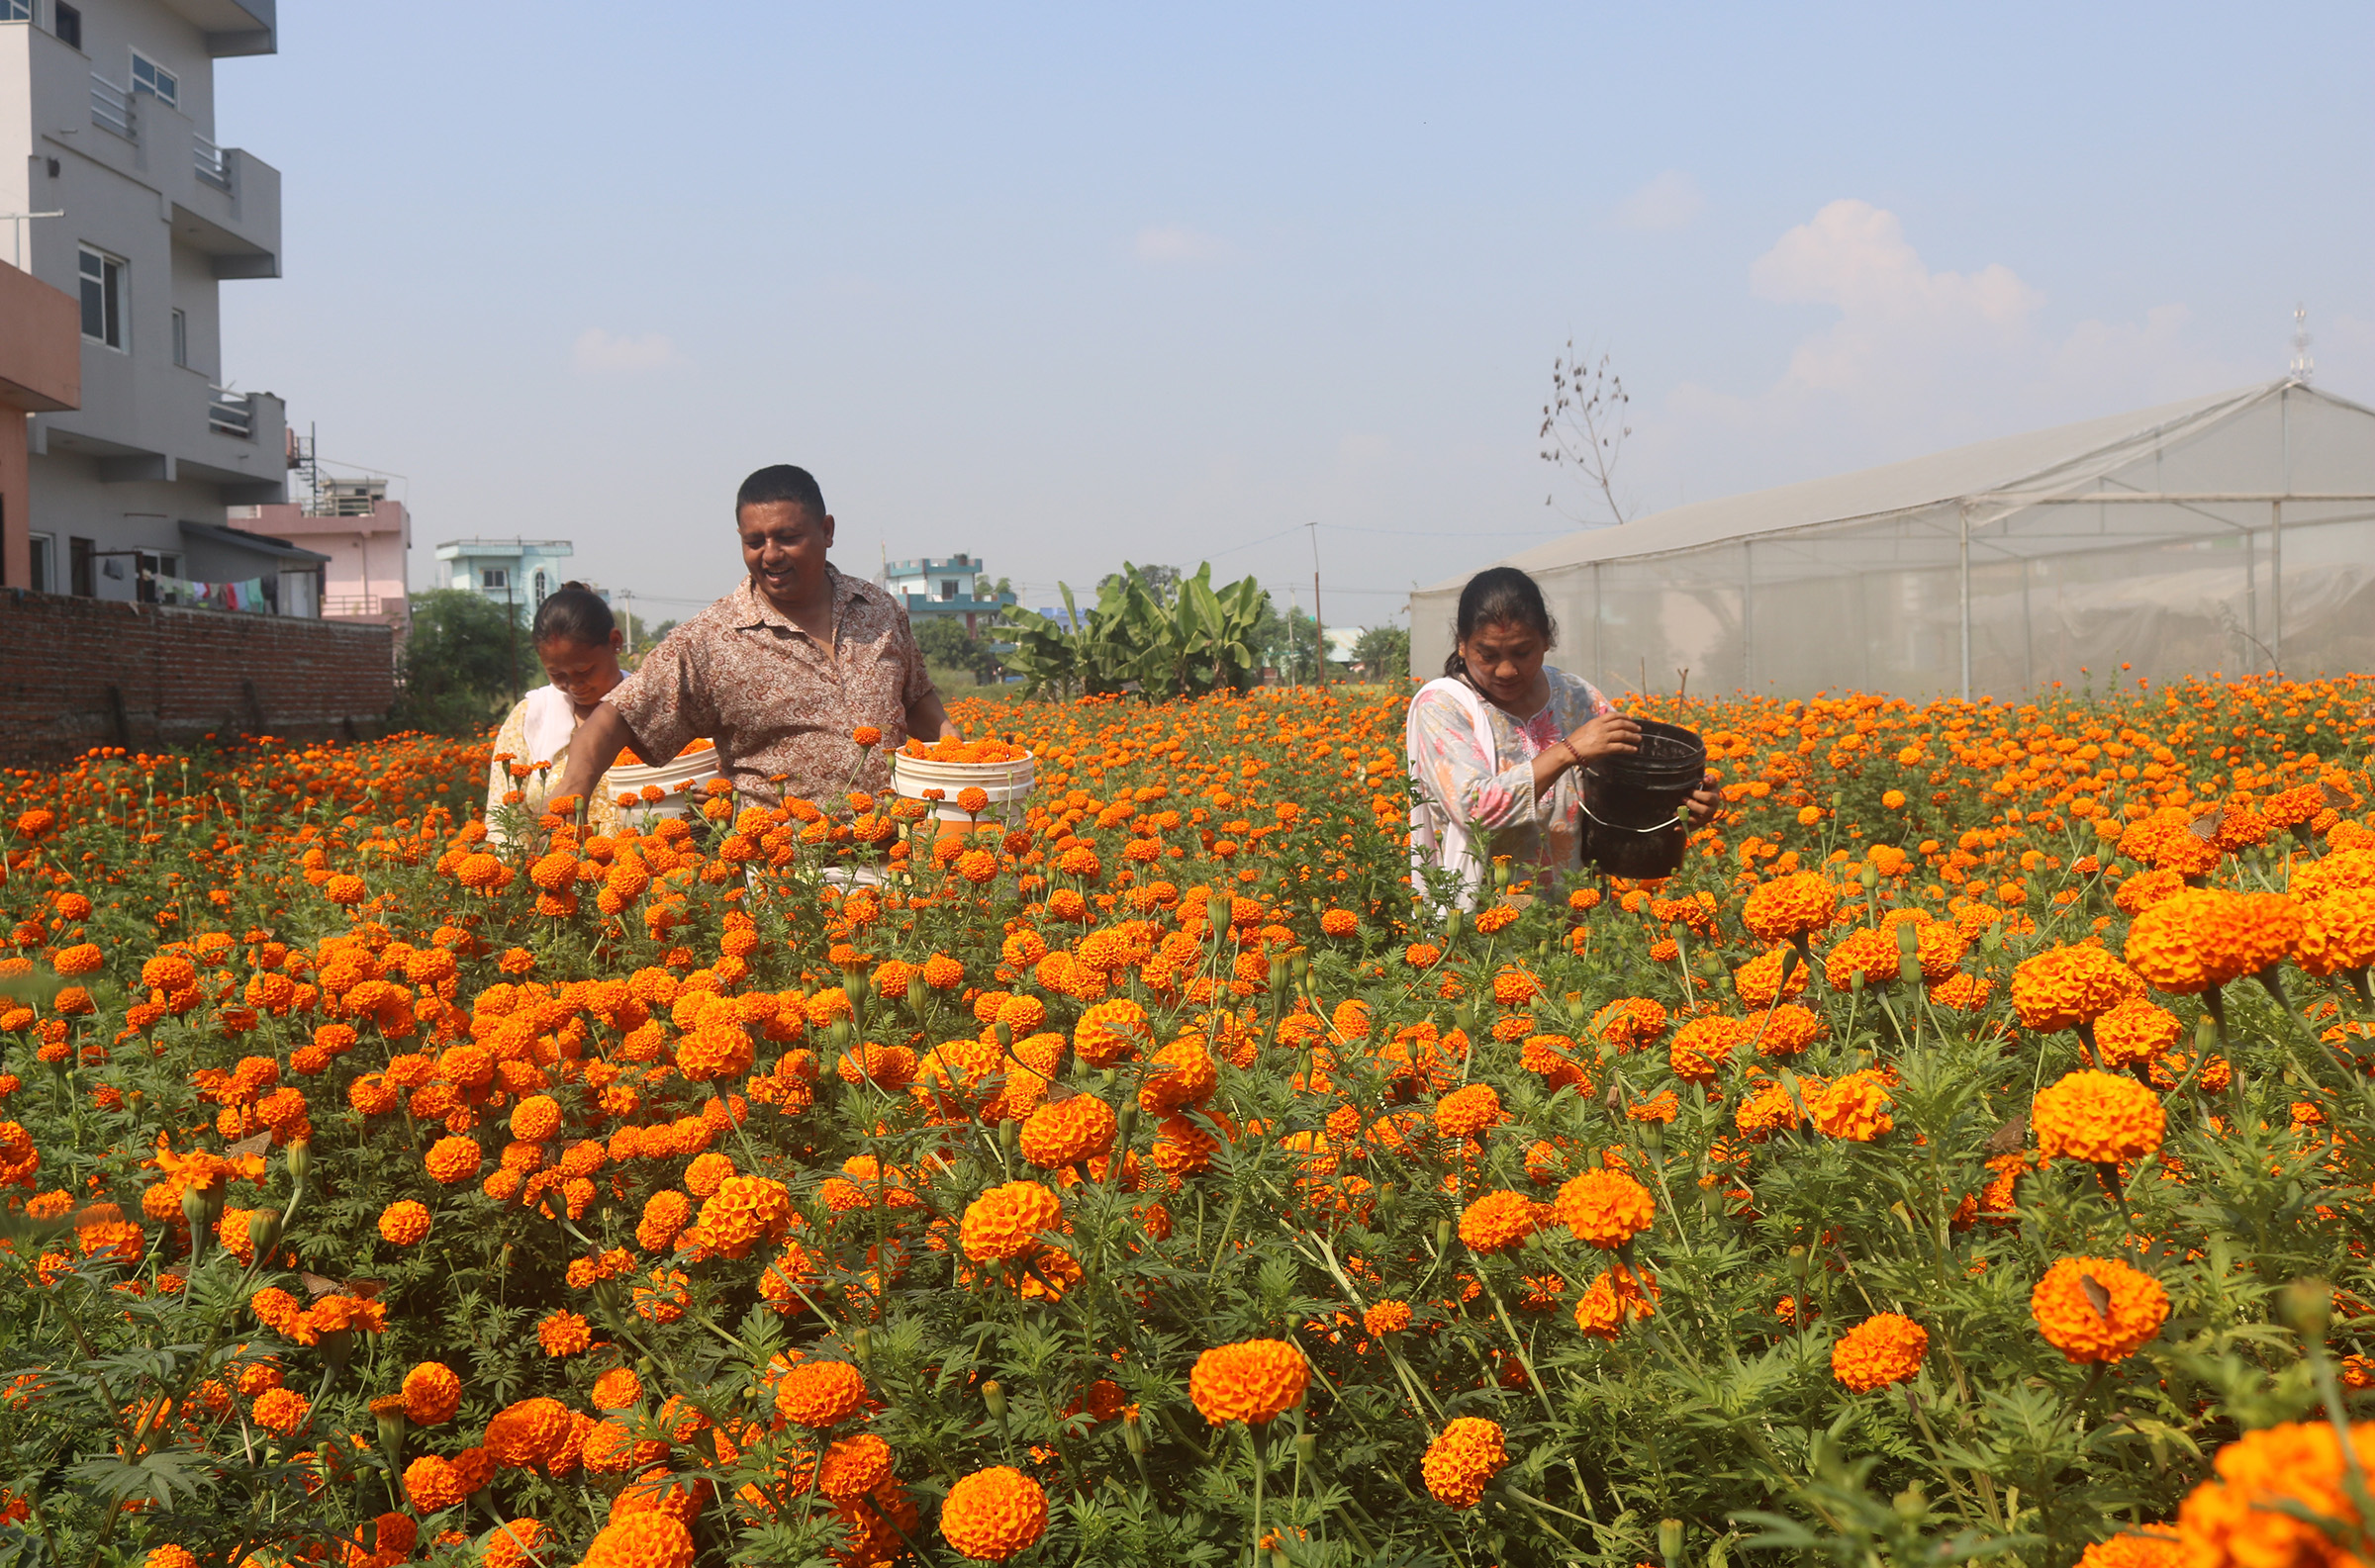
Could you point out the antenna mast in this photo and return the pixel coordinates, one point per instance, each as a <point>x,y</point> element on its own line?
<point>2303,367</point>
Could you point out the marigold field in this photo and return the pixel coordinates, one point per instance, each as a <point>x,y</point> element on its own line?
<point>1967,1155</point>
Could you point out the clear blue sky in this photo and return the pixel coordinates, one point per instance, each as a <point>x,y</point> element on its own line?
<point>1067,286</point>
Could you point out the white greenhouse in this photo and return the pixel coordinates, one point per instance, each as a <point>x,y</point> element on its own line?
<point>2232,533</point>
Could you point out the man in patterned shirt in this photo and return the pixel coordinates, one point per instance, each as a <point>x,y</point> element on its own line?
<point>778,673</point>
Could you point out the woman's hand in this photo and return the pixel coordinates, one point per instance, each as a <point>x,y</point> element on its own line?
<point>1704,803</point>
<point>1609,735</point>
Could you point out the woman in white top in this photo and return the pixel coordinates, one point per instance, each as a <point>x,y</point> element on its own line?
<point>1499,744</point>
<point>578,643</point>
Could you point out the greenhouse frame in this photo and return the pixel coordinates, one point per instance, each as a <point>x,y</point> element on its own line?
<point>2231,534</point>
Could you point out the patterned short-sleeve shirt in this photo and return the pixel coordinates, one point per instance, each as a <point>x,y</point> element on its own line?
<point>774,700</point>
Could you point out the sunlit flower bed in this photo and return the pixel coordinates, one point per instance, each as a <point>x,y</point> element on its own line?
<point>1967,1155</point>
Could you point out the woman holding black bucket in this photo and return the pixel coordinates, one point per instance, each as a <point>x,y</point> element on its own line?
<point>1500,747</point>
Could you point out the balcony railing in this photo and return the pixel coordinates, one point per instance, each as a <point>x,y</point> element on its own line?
<point>336,606</point>
<point>231,413</point>
<point>210,168</point>
<point>112,107</point>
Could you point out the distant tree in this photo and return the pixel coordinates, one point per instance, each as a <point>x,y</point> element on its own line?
<point>1383,651</point>
<point>1159,581</point>
<point>1287,642</point>
<point>647,637</point>
<point>946,644</point>
<point>462,661</point>
<point>1583,428</point>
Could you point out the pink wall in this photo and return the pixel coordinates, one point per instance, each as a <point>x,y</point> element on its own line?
<point>364,577</point>
<point>40,369</point>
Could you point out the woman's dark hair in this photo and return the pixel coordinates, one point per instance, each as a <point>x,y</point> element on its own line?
<point>574,611</point>
<point>1499,596</point>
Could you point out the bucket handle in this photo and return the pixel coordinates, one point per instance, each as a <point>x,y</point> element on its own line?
<point>1615,827</point>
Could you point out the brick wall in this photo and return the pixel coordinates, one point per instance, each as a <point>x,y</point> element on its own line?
<point>78,673</point>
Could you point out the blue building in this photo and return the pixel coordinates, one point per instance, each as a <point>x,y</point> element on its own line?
<point>520,573</point>
<point>956,586</point>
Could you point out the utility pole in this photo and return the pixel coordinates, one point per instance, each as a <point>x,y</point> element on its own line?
<point>1319,651</point>
<point>626,609</point>
<point>510,625</point>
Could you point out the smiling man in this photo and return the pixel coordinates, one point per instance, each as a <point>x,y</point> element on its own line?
<point>779,671</point>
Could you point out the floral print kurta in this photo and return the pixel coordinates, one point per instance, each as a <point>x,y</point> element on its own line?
<point>511,742</point>
<point>1494,791</point>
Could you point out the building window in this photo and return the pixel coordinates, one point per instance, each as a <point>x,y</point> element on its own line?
<point>79,564</point>
<point>948,588</point>
<point>150,77</point>
<point>44,570</point>
<point>539,588</point>
<point>16,10</point>
<point>493,576</point>
<point>181,339</point>
<point>102,298</point>
<point>68,25</point>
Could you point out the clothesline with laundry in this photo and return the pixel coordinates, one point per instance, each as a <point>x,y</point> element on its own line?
<point>247,594</point>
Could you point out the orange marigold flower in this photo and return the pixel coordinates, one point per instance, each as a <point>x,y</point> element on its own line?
<point>1760,982</point>
<point>1606,1208</point>
<point>1617,1297</point>
<point>518,1544</point>
<point>1338,922</point>
<point>641,1540</point>
<point>1108,1031</point>
<point>535,1118</point>
<point>2098,1116</point>
<point>431,1483</point>
<point>1495,920</point>
<point>282,1409</point>
<point>1466,1112</point>
<point>564,1334</point>
<point>1387,1317</point>
<point>1465,1455</point>
<point>854,1467</point>
<point>993,1513</point>
<point>530,1431</point>
<point>404,1223</point>
<point>2063,987</point>
<point>2134,1031</point>
<point>454,1160</point>
<point>820,1393</point>
<point>1252,1381</point>
<point>2133,1551</point>
<point>2097,1309</point>
<point>617,1389</point>
<point>1854,1107</point>
<point>2338,931</point>
<point>1005,1222</point>
<point>1791,906</point>
<point>1061,1132</point>
<point>1880,1351</point>
<point>432,1394</point>
<point>1499,1220</point>
<point>2239,1519</point>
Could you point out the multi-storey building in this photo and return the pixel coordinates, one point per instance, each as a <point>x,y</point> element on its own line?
<point>519,572</point>
<point>114,189</point>
<point>951,587</point>
<point>364,538</point>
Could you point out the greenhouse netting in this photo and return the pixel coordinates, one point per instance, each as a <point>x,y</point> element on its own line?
<point>2231,534</point>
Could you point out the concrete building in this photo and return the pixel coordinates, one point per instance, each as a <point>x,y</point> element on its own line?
<point>519,571</point>
<point>364,539</point>
<point>951,587</point>
<point>40,372</point>
<point>107,136</point>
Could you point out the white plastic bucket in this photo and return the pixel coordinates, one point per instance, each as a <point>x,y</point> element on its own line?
<point>682,781</point>
<point>1006,784</point>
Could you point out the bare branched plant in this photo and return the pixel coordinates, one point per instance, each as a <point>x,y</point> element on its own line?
<point>1583,427</point>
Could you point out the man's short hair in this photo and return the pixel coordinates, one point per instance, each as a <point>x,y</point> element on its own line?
<point>779,482</point>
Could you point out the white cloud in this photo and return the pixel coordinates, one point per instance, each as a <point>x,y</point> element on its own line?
<point>597,352</point>
<point>1171,244</point>
<point>1671,201</point>
<point>1914,360</point>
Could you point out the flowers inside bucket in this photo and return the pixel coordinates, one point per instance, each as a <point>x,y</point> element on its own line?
<point>1633,805</point>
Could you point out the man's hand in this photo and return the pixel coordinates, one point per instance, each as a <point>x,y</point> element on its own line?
<point>598,740</point>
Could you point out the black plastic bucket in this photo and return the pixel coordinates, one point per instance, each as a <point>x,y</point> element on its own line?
<point>1631,803</point>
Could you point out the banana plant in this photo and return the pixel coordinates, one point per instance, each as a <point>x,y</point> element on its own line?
<point>1182,642</point>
